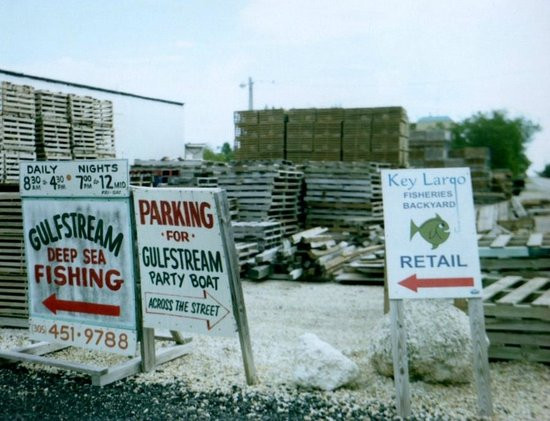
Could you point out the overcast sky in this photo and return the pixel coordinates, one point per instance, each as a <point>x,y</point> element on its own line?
<point>433,57</point>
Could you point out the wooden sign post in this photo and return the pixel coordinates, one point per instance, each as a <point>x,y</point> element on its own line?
<point>188,266</point>
<point>431,252</point>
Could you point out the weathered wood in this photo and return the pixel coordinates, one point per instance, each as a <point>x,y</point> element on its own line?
<point>518,294</point>
<point>543,300</point>
<point>148,361</point>
<point>493,289</point>
<point>400,359</point>
<point>481,358</point>
<point>535,239</point>
<point>501,240</point>
<point>237,298</point>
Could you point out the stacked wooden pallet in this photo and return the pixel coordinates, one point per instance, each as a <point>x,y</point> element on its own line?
<point>517,317</point>
<point>13,274</point>
<point>174,173</point>
<point>92,132</point>
<point>265,191</point>
<point>343,195</point>
<point>17,136</point>
<point>428,145</point>
<point>246,134</point>
<point>376,134</point>
<point>104,131</point>
<point>326,134</point>
<point>267,234</point>
<point>515,252</point>
<point>271,134</point>
<point>300,130</point>
<point>53,140</point>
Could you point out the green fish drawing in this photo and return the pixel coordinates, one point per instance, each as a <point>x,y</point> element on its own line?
<point>435,231</point>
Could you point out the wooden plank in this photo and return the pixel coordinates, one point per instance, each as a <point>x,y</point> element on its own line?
<point>400,359</point>
<point>493,289</point>
<point>501,240</point>
<point>535,239</point>
<point>543,300</point>
<point>518,294</point>
<point>237,298</point>
<point>67,365</point>
<point>481,359</point>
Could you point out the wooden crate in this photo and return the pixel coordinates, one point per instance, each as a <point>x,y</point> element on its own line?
<point>17,100</point>
<point>104,114</point>
<point>52,106</point>
<point>13,275</point>
<point>83,142</point>
<point>82,110</point>
<point>104,142</point>
<point>517,317</point>
<point>17,133</point>
<point>9,164</point>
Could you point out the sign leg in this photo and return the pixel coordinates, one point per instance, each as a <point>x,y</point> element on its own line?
<point>239,309</point>
<point>148,357</point>
<point>481,357</point>
<point>400,359</point>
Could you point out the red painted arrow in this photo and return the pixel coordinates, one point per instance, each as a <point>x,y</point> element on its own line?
<point>55,305</point>
<point>412,282</point>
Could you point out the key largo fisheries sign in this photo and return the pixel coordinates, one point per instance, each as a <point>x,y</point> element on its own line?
<point>78,244</point>
<point>431,242</point>
<point>183,261</point>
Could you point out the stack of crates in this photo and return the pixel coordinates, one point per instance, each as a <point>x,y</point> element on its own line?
<point>17,136</point>
<point>327,134</point>
<point>246,135</point>
<point>300,129</point>
<point>53,131</point>
<point>271,134</point>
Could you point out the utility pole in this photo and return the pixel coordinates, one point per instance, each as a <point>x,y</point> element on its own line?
<point>250,85</point>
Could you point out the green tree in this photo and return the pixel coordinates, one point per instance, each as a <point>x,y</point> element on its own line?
<point>225,155</point>
<point>546,171</point>
<point>505,137</point>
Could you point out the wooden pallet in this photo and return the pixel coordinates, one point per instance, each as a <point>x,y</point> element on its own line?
<point>83,110</point>
<point>17,133</point>
<point>9,164</point>
<point>52,106</point>
<point>17,100</point>
<point>13,275</point>
<point>104,114</point>
<point>517,317</point>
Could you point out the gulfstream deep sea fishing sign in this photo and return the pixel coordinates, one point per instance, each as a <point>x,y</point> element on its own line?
<point>78,244</point>
<point>184,261</point>
<point>431,243</point>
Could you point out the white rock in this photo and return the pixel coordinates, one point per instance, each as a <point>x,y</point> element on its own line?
<point>439,345</point>
<point>318,365</point>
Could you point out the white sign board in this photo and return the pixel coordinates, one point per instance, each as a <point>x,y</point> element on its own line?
<point>75,178</point>
<point>431,242</point>
<point>80,265</point>
<point>183,260</point>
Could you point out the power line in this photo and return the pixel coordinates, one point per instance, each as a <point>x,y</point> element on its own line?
<point>90,87</point>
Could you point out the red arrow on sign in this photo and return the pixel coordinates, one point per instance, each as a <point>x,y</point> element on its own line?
<point>412,282</point>
<point>55,305</point>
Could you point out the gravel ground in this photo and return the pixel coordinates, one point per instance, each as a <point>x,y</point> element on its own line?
<point>209,383</point>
